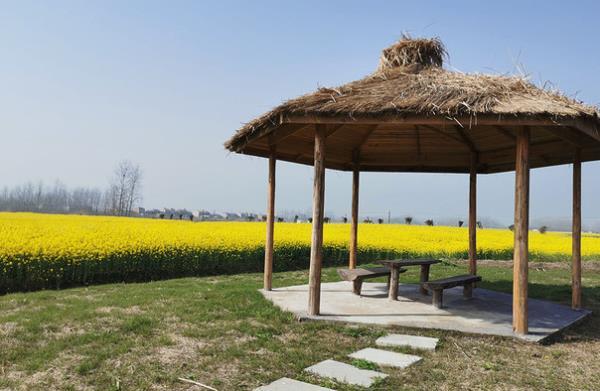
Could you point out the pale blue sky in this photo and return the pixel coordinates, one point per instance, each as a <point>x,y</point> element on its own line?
<point>85,84</point>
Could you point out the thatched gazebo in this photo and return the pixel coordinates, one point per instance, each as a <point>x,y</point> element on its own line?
<point>412,115</point>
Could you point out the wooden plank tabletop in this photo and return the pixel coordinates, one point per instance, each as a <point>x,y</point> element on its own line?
<point>408,262</point>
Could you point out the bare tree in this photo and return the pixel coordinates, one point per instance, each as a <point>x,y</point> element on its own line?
<point>134,187</point>
<point>125,188</point>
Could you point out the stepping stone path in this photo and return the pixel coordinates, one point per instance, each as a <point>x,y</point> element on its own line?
<point>386,358</point>
<point>411,341</point>
<point>285,384</point>
<point>345,373</point>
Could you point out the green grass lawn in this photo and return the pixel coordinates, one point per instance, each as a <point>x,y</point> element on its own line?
<point>221,332</point>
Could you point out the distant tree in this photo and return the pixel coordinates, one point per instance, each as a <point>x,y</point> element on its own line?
<point>125,188</point>
<point>345,219</point>
<point>511,227</point>
<point>429,222</point>
<point>310,220</point>
<point>296,219</point>
<point>479,225</point>
<point>380,221</point>
<point>408,220</point>
<point>368,221</point>
<point>460,223</point>
<point>280,220</point>
<point>326,219</point>
<point>543,229</point>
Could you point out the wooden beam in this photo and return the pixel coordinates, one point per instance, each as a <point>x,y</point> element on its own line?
<point>473,215</point>
<point>316,247</point>
<point>466,138</point>
<point>268,270</point>
<point>538,146</point>
<point>332,129</point>
<point>568,135</point>
<point>418,140</point>
<point>589,127</point>
<point>521,248</point>
<point>576,267</point>
<point>281,134</point>
<point>443,133</point>
<point>505,132</point>
<point>364,139</point>
<point>354,218</point>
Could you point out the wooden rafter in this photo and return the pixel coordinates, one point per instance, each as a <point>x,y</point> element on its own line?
<point>443,133</point>
<point>418,139</point>
<point>466,138</point>
<point>364,140</point>
<point>280,135</point>
<point>568,135</point>
<point>331,130</point>
<point>505,132</point>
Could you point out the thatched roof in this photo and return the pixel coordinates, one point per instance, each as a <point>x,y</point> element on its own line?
<point>410,88</point>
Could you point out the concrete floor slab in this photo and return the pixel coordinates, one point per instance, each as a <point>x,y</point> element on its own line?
<point>488,312</point>
<point>386,358</point>
<point>286,384</point>
<point>345,373</point>
<point>410,341</point>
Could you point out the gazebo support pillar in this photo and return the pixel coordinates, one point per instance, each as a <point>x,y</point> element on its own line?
<point>354,218</point>
<point>576,267</point>
<point>521,249</point>
<point>316,248</point>
<point>473,215</point>
<point>268,270</point>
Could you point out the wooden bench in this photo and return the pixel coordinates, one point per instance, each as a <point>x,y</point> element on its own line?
<point>438,286</point>
<point>357,276</point>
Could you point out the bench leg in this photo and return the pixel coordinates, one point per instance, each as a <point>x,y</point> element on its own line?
<point>357,286</point>
<point>468,290</point>
<point>437,298</point>
<point>424,278</point>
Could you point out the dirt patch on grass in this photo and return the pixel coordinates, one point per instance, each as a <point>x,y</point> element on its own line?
<point>8,328</point>
<point>58,374</point>
<point>133,310</point>
<point>182,350</point>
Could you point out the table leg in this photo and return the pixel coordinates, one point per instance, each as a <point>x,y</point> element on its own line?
<point>394,276</point>
<point>424,278</point>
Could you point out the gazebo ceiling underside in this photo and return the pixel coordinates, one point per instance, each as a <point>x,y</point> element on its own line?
<point>430,145</point>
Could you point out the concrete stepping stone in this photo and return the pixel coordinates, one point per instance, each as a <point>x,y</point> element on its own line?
<point>386,358</point>
<point>286,384</point>
<point>411,341</point>
<point>345,373</point>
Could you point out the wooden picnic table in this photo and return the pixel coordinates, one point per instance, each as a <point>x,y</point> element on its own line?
<point>396,264</point>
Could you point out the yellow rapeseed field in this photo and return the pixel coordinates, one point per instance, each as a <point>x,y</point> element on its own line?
<point>39,251</point>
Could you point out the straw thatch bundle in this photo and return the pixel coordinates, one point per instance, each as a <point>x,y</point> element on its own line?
<point>410,79</point>
<point>408,51</point>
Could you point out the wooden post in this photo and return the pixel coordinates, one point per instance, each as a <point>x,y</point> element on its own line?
<point>521,249</point>
<point>576,267</point>
<point>354,222</point>
<point>316,247</point>
<point>473,215</point>
<point>268,270</point>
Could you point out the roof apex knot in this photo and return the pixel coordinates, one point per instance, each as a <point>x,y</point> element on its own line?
<point>426,52</point>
